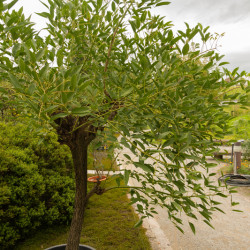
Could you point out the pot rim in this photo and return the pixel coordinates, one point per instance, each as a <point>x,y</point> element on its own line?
<point>64,245</point>
<point>97,178</point>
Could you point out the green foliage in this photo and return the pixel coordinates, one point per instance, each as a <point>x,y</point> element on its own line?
<point>8,110</point>
<point>108,225</point>
<point>229,168</point>
<point>240,127</point>
<point>35,189</point>
<point>246,149</point>
<point>127,71</point>
<point>240,122</point>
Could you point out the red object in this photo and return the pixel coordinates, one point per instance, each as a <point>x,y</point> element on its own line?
<point>97,178</point>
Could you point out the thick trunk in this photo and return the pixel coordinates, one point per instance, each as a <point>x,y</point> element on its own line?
<point>79,154</point>
<point>78,141</point>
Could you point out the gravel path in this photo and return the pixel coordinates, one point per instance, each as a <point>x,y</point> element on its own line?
<point>232,230</point>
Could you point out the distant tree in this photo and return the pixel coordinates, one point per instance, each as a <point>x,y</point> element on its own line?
<point>112,64</point>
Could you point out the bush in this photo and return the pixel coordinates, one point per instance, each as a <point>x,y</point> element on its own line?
<point>36,184</point>
<point>229,168</point>
<point>246,149</point>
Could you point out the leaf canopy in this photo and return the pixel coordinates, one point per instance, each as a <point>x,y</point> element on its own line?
<point>117,66</point>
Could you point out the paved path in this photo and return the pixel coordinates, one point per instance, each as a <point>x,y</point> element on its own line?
<point>232,230</point>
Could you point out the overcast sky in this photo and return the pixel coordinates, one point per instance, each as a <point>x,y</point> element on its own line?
<point>229,16</point>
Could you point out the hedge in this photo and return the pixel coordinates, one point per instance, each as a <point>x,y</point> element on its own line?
<point>36,182</point>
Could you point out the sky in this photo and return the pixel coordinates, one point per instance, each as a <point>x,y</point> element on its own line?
<point>229,16</point>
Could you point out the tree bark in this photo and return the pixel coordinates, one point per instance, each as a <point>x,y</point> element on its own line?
<point>80,156</point>
<point>78,141</point>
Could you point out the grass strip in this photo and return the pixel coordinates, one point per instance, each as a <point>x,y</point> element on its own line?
<point>108,224</point>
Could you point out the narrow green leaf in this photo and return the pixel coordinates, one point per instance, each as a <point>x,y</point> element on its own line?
<point>176,205</point>
<point>234,71</point>
<point>146,167</point>
<point>57,116</point>
<point>205,29</point>
<point>73,82</point>
<point>64,97</point>
<point>234,203</point>
<point>208,65</point>
<point>31,89</point>
<point>192,227</point>
<point>180,229</point>
<point>113,6</point>
<point>125,130</point>
<point>143,16</point>
<point>124,142</point>
<point>82,111</point>
<point>208,223</point>
<point>21,64</point>
<point>218,209</point>
<point>164,134</point>
<point>168,143</point>
<point>44,14</point>
<point>14,81</point>
<point>43,71</point>
<point>70,95</point>
<point>108,16</point>
<point>210,53</point>
<point>15,48</point>
<point>205,214</point>
<point>99,4</point>
<point>223,63</point>
<point>133,25</point>
<point>162,3</point>
<point>11,4</point>
<point>191,36</point>
<point>127,156</point>
<point>185,49</point>
<point>126,176</point>
<point>222,195</point>
<point>126,92</point>
<point>59,58</point>
<point>40,53</point>
<point>138,223</point>
<point>44,4</point>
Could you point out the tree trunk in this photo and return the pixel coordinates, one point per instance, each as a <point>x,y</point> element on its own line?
<point>79,154</point>
<point>78,141</point>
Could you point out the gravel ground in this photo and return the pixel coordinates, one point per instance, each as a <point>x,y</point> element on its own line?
<point>232,230</point>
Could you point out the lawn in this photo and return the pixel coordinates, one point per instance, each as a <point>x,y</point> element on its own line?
<point>109,224</point>
<point>102,161</point>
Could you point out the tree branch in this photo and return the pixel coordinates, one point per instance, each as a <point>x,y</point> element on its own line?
<point>110,49</point>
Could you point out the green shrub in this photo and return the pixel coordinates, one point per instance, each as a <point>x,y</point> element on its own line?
<point>36,184</point>
<point>246,149</point>
<point>229,168</point>
<point>240,128</point>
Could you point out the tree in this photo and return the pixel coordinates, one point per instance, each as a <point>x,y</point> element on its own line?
<point>111,66</point>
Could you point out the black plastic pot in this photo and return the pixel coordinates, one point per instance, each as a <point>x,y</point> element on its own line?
<point>63,247</point>
<point>240,180</point>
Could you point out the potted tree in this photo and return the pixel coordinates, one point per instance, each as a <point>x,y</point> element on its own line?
<point>114,64</point>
